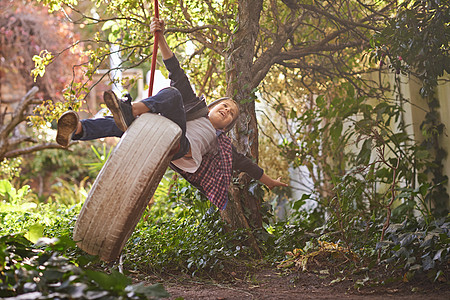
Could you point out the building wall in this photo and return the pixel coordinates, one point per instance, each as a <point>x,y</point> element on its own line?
<point>416,109</point>
<point>443,94</point>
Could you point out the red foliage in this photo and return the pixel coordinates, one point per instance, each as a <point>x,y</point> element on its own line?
<point>27,29</point>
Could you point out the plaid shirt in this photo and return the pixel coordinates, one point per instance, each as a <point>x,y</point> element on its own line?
<point>213,177</point>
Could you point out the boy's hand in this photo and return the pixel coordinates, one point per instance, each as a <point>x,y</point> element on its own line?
<point>271,183</point>
<point>157,25</point>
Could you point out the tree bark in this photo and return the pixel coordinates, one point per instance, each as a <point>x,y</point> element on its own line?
<point>235,215</point>
<point>238,63</point>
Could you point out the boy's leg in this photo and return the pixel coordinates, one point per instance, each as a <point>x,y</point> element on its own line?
<point>168,103</point>
<point>98,128</point>
<point>90,128</point>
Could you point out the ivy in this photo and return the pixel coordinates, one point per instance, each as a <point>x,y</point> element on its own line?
<point>183,243</point>
<point>416,42</point>
<point>418,247</point>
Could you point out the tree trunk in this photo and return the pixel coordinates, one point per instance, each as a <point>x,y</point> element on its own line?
<point>243,209</point>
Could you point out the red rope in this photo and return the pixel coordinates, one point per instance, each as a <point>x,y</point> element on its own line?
<point>154,54</point>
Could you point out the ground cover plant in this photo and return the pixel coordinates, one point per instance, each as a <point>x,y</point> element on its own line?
<point>178,235</point>
<point>39,271</point>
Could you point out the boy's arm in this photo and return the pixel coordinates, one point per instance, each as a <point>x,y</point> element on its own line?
<point>158,26</point>
<point>245,164</point>
<point>177,76</point>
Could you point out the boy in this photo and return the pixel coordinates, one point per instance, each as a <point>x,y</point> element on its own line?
<point>205,156</point>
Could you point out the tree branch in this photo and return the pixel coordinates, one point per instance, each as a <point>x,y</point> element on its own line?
<point>18,140</point>
<point>273,54</point>
<point>346,23</point>
<point>195,31</point>
<point>19,152</point>
<point>19,113</point>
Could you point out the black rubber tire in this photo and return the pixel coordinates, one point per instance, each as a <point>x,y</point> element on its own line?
<point>125,185</point>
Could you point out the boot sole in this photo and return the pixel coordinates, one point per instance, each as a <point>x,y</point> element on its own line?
<point>67,124</point>
<point>112,103</point>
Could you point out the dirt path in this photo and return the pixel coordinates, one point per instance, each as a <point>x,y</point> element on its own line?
<point>271,284</point>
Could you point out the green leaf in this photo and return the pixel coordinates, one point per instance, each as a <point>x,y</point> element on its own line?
<point>96,294</point>
<point>438,274</point>
<point>428,240</point>
<point>35,232</point>
<point>8,207</point>
<point>422,154</point>
<point>423,189</point>
<point>365,152</point>
<point>115,28</point>
<point>444,238</point>
<point>320,101</point>
<point>153,291</point>
<point>23,191</point>
<point>114,282</point>
<point>108,24</point>
<point>438,255</point>
<point>112,37</point>
<point>335,131</point>
<point>297,204</point>
<point>52,274</point>
<point>408,239</point>
<point>5,187</point>
<point>428,263</point>
<point>293,113</point>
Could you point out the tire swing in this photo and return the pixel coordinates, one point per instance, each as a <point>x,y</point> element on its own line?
<point>127,181</point>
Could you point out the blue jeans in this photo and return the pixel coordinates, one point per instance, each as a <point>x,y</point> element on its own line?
<point>167,102</point>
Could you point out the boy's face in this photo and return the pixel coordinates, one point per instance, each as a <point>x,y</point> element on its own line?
<point>222,114</point>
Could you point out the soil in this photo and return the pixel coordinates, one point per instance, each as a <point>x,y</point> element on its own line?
<point>329,273</point>
<point>269,282</point>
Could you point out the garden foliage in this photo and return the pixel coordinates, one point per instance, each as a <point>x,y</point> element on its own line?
<point>367,173</point>
<point>40,271</point>
<point>418,246</point>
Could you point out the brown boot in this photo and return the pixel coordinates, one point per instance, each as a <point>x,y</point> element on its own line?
<point>121,110</point>
<point>67,125</point>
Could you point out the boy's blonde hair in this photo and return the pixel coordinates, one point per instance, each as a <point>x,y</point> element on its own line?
<point>215,102</point>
